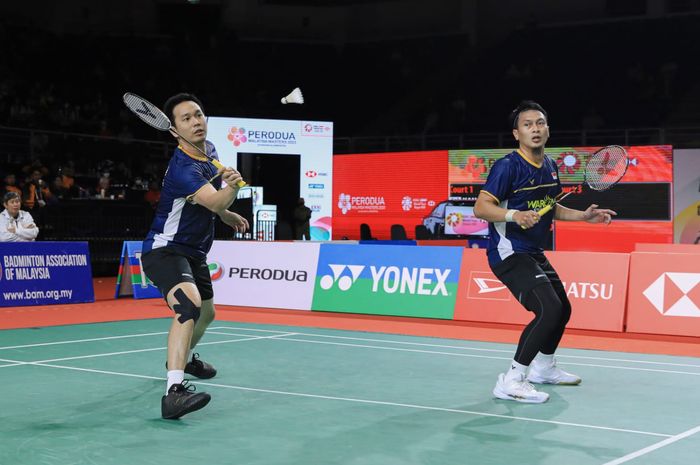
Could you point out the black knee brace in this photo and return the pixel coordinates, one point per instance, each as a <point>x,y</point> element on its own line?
<point>185,307</point>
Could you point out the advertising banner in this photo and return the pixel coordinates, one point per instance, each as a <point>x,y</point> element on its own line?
<point>381,189</point>
<point>387,280</point>
<point>131,279</point>
<point>44,273</point>
<point>664,294</point>
<point>263,274</point>
<point>311,141</point>
<point>597,292</point>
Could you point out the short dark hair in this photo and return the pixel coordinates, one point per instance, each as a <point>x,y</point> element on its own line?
<point>175,100</point>
<point>9,196</point>
<point>526,105</point>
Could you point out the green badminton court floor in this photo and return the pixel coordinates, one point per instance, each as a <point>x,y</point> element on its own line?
<point>90,394</point>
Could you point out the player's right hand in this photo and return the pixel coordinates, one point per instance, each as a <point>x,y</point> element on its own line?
<point>231,177</point>
<point>526,219</point>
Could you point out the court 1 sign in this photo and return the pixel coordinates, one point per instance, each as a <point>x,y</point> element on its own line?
<point>44,273</point>
<point>387,280</point>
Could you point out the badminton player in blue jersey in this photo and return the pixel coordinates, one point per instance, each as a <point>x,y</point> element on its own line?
<point>175,250</point>
<point>518,185</point>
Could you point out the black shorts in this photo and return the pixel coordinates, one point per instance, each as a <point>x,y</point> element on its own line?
<point>521,272</point>
<point>167,268</point>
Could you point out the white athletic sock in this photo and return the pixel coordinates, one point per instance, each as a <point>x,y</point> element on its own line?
<point>516,370</point>
<point>174,377</point>
<point>544,359</point>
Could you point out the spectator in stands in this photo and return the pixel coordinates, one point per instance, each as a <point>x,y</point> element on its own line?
<point>152,196</point>
<point>11,184</point>
<point>35,192</point>
<point>16,225</point>
<point>302,215</point>
<point>104,189</point>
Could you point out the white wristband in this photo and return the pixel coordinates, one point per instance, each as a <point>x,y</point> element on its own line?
<point>509,215</point>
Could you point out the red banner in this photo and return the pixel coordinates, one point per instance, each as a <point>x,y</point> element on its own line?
<point>596,284</point>
<point>382,189</point>
<point>664,294</point>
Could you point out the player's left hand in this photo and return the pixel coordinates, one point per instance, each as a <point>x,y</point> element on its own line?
<point>593,214</point>
<point>237,222</point>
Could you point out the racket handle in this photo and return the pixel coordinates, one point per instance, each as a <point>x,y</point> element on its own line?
<point>221,167</point>
<point>546,209</point>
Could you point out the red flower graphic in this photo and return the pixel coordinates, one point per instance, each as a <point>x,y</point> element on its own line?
<point>237,136</point>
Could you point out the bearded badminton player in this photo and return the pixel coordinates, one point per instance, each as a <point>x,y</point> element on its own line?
<point>516,252</point>
<point>175,250</point>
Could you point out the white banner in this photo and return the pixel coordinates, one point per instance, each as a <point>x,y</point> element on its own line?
<point>264,274</point>
<point>312,141</point>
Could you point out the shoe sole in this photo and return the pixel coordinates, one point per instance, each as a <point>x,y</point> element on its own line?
<point>200,376</point>
<point>193,407</point>
<point>502,395</point>
<point>571,383</point>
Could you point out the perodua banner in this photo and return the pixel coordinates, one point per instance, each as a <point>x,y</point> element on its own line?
<point>381,189</point>
<point>263,274</point>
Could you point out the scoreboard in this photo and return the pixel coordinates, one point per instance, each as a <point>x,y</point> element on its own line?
<point>645,193</point>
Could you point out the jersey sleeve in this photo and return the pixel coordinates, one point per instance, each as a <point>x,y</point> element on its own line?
<point>499,183</point>
<point>187,179</point>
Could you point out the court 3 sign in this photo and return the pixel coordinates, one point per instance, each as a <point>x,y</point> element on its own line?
<point>387,280</point>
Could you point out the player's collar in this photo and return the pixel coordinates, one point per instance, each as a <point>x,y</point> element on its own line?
<point>197,157</point>
<point>519,152</point>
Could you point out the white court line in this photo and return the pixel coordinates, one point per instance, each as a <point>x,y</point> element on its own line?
<point>654,447</point>
<point>135,351</point>
<point>453,354</point>
<point>367,401</point>
<point>74,341</point>
<point>479,349</point>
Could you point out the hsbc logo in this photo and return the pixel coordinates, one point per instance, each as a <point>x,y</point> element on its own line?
<point>485,285</point>
<point>675,294</point>
<point>311,174</point>
<point>391,279</point>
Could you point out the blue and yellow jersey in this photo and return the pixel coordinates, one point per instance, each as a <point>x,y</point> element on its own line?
<point>183,226</point>
<point>519,184</point>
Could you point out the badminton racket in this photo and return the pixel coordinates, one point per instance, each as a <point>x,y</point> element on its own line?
<point>604,169</point>
<point>151,115</point>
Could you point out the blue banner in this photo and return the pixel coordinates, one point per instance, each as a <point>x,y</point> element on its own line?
<point>131,280</point>
<point>44,273</point>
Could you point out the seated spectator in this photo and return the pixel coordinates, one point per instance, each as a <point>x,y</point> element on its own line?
<point>152,196</point>
<point>11,184</point>
<point>104,189</point>
<point>16,225</point>
<point>36,192</point>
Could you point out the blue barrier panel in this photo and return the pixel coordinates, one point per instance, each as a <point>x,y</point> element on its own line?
<point>131,279</point>
<point>44,273</point>
<point>394,242</point>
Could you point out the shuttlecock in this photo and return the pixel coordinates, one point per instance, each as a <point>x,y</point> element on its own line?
<point>294,97</point>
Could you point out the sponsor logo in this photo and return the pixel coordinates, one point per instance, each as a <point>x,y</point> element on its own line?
<point>237,136</point>
<point>675,294</point>
<point>540,203</point>
<point>268,274</point>
<point>367,204</point>
<point>485,285</point>
<point>316,196</point>
<point>216,271</point>
<point>390,279</point>
<point>406,203</point>
<point>315,208</point>
<point>317,186</point>
<point>590,291</point>
<point>311,174</point>
<point>311,128</point>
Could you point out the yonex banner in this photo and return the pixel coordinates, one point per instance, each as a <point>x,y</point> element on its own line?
<point>597,293</point>
<point>664,294</point>
<point>131,279</point>
<point>387,280</point>
<point>44,273</point>
<point>263,274</point>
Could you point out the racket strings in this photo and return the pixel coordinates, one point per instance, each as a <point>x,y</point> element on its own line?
<point>606,167</point>
<point>149,113</point>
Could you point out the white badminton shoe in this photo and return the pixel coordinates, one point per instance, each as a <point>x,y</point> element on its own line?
<point>518,389</point>
<point>551,374</point>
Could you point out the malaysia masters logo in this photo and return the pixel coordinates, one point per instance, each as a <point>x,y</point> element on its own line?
<point>237,136</point>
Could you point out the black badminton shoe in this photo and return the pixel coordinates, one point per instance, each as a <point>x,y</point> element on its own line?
<point>181,400</point>
<point>199,368</point>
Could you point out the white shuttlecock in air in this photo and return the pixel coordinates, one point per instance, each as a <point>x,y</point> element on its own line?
<point>294,97</point>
